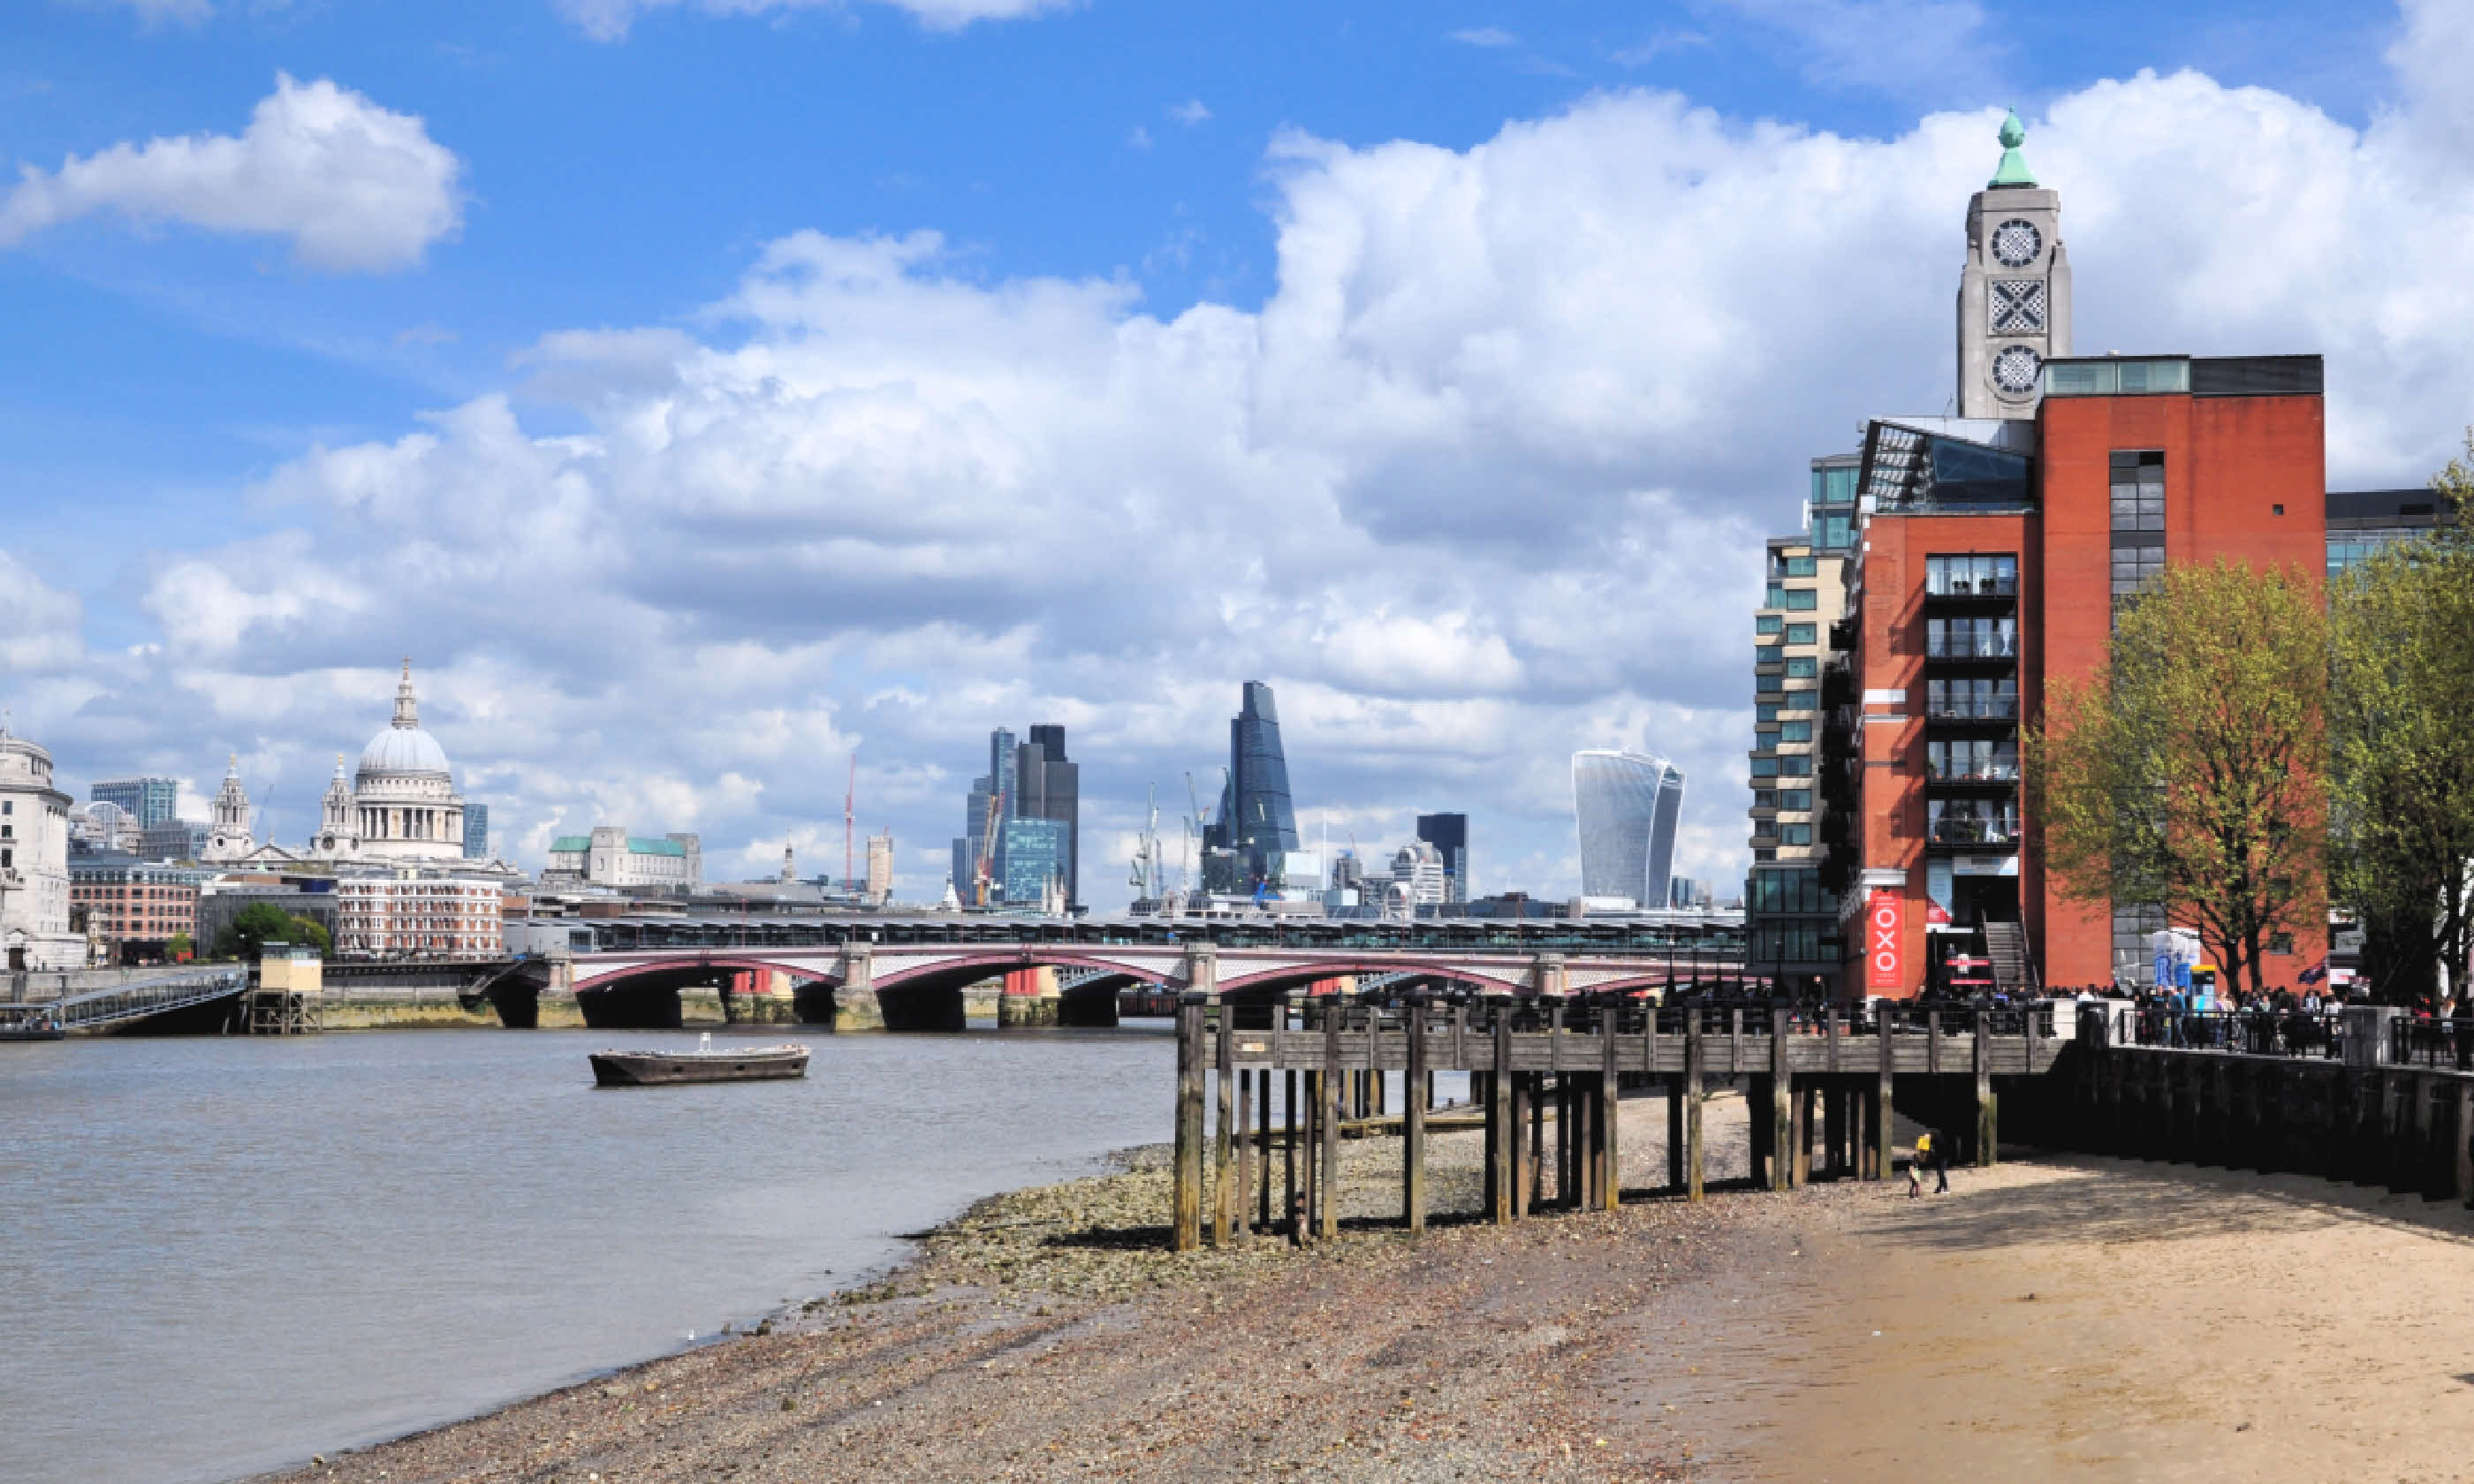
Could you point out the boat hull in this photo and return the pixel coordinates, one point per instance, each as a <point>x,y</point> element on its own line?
<point>655,1068</point>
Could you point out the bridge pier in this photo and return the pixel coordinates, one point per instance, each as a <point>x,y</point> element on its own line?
<point>1029,998</point>
<point>855,1007</point>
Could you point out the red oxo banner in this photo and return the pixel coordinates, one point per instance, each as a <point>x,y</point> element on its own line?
<point>1884,963</point>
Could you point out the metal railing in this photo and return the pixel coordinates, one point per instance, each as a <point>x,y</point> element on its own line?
<point>1974,773</point>
<point>153,997</point>
<point>1967,830</point>
<point>1974,709</point>
<point>1971,646</point>
<point>2313,1035</point>
<point>2424,1042</point>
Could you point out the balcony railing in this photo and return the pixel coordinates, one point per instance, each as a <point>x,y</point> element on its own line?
<point>1973,587</point>
<point>1975,831</point>
<point>1971,646</point>
<point>1972,773</point>
<point>1974,709</point>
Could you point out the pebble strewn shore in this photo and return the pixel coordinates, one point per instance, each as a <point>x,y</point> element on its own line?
<point>1047,1334</point>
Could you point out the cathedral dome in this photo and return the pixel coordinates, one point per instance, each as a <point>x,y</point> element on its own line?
<point>403,748</point>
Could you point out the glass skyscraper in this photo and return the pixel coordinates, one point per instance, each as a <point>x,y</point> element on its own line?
<point>150,801</point>
<point>1625,806</point>
<point>1249,845</point>
<point>477,831</point>
<point>1448,834</point>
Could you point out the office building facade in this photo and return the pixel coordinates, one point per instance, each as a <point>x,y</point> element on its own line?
<point>1048,785</point>
<point>1448,834</point>
<point>477,831</point>
<point>34,862</point>
<point>1624,811</point>
<point>611,856</point>
<point>1791,893</point>
<point>151,801</point>
<point>135,907</point>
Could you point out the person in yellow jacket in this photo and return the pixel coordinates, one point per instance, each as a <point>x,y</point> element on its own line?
<point>1916,1166</point>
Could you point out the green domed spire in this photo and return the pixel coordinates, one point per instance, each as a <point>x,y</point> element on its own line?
<point>2013,170</point>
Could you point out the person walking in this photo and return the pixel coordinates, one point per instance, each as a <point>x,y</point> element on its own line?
<point>1916,1165</point>
<point>1941,1167</point>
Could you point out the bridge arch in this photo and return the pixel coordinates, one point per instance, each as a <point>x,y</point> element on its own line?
<point>929,996</point>
<point>646,995</point>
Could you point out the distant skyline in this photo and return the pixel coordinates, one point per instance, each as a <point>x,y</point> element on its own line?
<point>701,392</point>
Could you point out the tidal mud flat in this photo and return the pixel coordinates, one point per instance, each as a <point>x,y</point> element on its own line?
<point>2078,1318</point>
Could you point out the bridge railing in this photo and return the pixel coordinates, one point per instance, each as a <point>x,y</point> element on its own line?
<point>154,996</point>
<point>2424,1042</point>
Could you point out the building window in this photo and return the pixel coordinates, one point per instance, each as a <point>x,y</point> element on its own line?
<point>1795,798</point>
<point>1765,767</point>
<point>1801,600</point>
<point>1796,701</point>
<point>1795,834</point>
<point>1791,566</point>
<point>1795,731</point>
<point>1803,667</point>
<point>1976,575</point>
<point>1765,799</point>
<point>2138,491</point>
<point>1971,638</point>
<point>1768,624</point>
<point>1768,684</point>
<point>1795,765</point>
<point>1766,711</point>
<point>2132,922</point>
<point>2136,569</point>
<point>1803,633</point>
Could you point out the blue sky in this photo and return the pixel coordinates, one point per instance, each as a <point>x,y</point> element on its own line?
<point>184,387</point>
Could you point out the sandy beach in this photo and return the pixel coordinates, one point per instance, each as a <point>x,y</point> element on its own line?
<point>2062,1317</point>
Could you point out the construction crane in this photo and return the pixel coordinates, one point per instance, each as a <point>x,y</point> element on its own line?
<point>980,867</point>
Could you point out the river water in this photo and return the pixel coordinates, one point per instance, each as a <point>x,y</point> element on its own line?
<point>218,1255</point>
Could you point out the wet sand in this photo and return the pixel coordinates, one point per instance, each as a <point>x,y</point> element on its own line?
<point>2184,1325</point>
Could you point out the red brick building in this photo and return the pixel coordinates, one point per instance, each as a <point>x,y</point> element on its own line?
<point>1993,550</point>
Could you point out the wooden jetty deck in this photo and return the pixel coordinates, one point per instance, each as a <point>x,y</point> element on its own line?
<point>1834,1071</point>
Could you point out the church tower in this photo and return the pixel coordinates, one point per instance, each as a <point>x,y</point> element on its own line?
<point>2014,299</point>
<point>227,837</point>
<point>335,822</point>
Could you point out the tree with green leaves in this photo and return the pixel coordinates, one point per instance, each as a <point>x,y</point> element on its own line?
<point>2401,743</point>
<point>2188,772</point>
<point>261,922</point>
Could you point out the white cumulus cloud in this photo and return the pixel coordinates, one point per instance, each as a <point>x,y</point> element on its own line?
<point>1482,481</point>
<point>356,187</point>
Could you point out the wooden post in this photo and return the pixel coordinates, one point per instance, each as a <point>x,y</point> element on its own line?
<point>1310,1155</point>
<point>1988,1118</point>
<point>1696,1056</point>
<point>1413,1121</point>
<point>1289,1171</point>
<point>1244,1153</point>
<point>1784,1162</point>
<point>1565,1141</point>
<point>1885,1158</point>
<point>2462,1141</point>
<point>1674,1131</point>
<point>1609,1124</point>
<point>1801,1164</point>
<point>1187,1222</point>
<point>1505,1134</point>
<point>1336,1084</point>
<point>1224,1179</point>
<point>1263,1149</point>
<point>1834,1130</point>
<point>1528,1133</point>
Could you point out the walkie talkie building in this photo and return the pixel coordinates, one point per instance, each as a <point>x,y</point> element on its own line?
<point>1624,806</point>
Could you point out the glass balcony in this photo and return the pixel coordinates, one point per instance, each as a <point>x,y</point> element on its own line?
<point>1939,771</point>
<point>1971,709</point>
<point>1971,645</point>
<point>1955,828</point>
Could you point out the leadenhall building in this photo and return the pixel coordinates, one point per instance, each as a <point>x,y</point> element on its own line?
<point>1950,569</point>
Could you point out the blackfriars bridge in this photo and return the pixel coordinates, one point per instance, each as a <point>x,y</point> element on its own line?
<point>910,972</point>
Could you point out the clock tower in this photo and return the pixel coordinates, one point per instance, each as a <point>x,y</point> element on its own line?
<point>2014,299</point>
